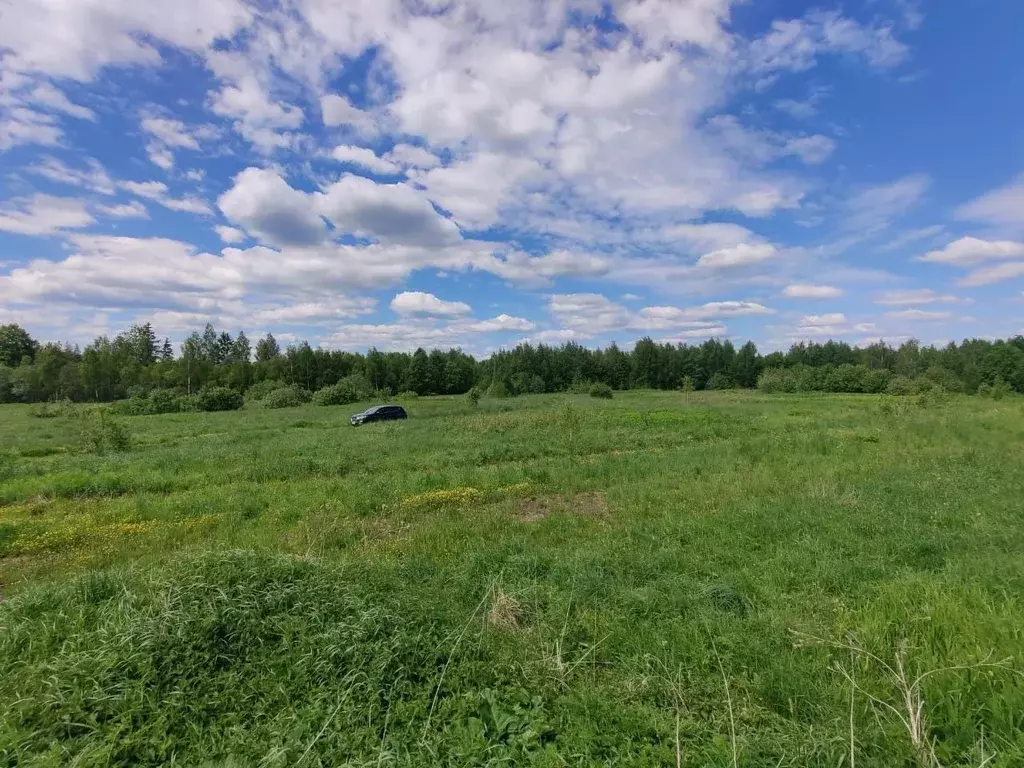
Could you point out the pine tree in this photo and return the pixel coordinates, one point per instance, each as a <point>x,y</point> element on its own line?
<point>167,353</point>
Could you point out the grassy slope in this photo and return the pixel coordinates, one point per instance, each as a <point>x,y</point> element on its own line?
<point>548,581</point>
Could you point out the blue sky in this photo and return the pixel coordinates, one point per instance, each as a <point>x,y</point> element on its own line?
<point>403,173</point>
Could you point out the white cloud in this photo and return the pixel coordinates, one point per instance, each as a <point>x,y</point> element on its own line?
<point>538,271</point>
<point>230,235</point>
<point>337,110</point>
<point>972,250</point>
<point>94,177</point>
<point>805,291</point>
<point>800,110</point>
<point>77,39</point>
<point>1000,207</point>
<point>160,156</point>
<point>994,274</point>
<point>389,213</point>
<point>132,210</point>
<point>157,191</point>
<point>918,314</point>
<point>47,95</point>
<point>418,302</point>
<point>364,158</point>
<point>874,208</point>
<point>500,323</point>
<point>834,318</point>
<point>411,156</point>
<point>26,126</point>
<point>738,256</point>
<point>43,215</point>
<point>913,236</point>
<point>312,313</point>
<point>266,206</point>
<point>916,297</point>
<point>173,133</point>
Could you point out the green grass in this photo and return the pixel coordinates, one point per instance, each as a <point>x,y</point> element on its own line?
<point>653,580</point>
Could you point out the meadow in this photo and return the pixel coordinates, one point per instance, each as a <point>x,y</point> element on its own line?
<point>659,579</point>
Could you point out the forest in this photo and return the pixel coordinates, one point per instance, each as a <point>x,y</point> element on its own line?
<point>136,364</point>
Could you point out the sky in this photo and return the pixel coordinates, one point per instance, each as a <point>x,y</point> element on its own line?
<point>475,173</point>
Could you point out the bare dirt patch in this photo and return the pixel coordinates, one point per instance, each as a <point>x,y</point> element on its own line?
<point>590,503</point>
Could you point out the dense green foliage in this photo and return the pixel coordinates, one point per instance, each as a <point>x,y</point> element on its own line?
<point>601,390</point>
<point>133,365</point>
<point>545,581</point>
<point>286,397</point>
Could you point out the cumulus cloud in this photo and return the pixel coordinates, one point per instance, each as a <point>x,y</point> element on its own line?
<point>46,95</point>
<point>364,158</point>
<point>132,210</point>
<point>44,215</point>
<point>806,291</point>
<point>420,303</point>
<point>265,205</point>
<point>230,235</point>
<point>389,213</point>
<point>500,323</point>
<point>410,156</point>
<point>972,250</point>
<point>738,256</point>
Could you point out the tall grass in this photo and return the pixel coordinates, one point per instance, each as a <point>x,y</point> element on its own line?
<point>548,580</point>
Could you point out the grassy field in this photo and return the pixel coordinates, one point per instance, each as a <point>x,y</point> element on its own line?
<point>724,579</point>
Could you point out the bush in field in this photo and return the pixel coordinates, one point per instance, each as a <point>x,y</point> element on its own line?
<point>474,396</point>
<point>102,433</point>
<point>408,395</point>
<point>52,410</point>
<point>220,399</point>
<point>997,390</point>
<point>602,391</point>
<point>901,385</point>
<point>775,380</point>
<point>498,389</point>
<point>286,397</point>
<point>721,381</point>
<point>341,393</point>
<point>186,404</point>
<point>945,378</point>
<point>162,401</point>
<point>261,389</point>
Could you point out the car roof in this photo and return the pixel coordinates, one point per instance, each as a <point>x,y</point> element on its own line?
<point>378,407</point>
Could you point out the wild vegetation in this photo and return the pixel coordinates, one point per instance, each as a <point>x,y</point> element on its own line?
<point>689,578</point>
<point>135,367</point>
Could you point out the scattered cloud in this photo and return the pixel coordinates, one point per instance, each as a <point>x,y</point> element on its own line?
<point>806,291</point>
<point>1003,207</point>
<point>420,303</point>
<point>44,215</point>
<point>916,297</point>
<point>918,314</point>
<point>972,250</point>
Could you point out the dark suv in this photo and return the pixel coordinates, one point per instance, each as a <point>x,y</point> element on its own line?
<point>379,413</point>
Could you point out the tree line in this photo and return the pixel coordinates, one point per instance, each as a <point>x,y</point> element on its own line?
<point>136,362</point>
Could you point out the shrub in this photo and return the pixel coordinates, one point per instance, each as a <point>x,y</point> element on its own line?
<point>285,397</point>
<point>721,381</point>
<point>776,380</point>
<point>688,385</point>
<point>408,395</point>
<point>261,389</point>
<point>602,391</point>
<point>52,410</point>
<point>498,389</point>
<point>102,433</point>
<point>901,385</point>
<point>474,396</point>
<point>341,393</point>
<point>162,401</point>
<point>186,404</point>
<point>945,378</point>
<point>220,399</point>
<point>997,390</point>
